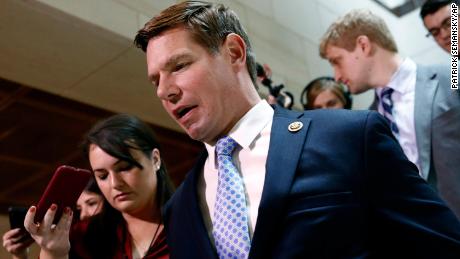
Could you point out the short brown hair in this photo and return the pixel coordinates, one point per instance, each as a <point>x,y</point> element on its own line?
<point>208,23</point>
<point>320,85</point>
<point>344,32</point>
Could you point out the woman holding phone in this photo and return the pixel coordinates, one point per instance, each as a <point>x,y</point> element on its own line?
<point>90,203</point>
<point>127,166</point>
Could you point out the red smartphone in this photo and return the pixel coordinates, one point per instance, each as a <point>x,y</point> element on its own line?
<point>65,187</point>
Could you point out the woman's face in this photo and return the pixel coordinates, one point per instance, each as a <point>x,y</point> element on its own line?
<point>327,100</point>
<point>89,204</point>
<point>127,188</point>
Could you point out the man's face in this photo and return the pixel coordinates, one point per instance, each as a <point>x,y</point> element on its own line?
<point>438,24</point>
<point>197,88</point>
<point>350,67</point>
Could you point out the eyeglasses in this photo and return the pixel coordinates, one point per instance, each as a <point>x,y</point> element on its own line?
<point>445,25</point>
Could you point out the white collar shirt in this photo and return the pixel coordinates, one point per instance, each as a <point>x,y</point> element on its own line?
<point>252,133</point>
<point>403,96</point>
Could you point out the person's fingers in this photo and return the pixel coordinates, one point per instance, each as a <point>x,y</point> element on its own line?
<point>9,238</point>
<point>49,217</point>
<point>12,245</point>
<point>69,219</point>
<point>17,238</point>
<point>29,223</point>
<point>6,242</point>
<point>11,233</point>
<point>23,245</point>
<point>14,248</point>
<point>66,220</point>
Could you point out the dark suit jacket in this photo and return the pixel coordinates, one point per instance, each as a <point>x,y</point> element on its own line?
<point>437,131</point>
<point>338,188</point>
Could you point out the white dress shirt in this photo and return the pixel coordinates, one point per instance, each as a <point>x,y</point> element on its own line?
<point>403,84</point>
<point>252,133</point>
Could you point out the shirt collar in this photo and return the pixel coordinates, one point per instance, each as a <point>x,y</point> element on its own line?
<point>400,81</point>
<point>248,127</point>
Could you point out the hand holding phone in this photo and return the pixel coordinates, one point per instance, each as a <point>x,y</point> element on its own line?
<point>65,187</point>
<point>16,241</point>
<point>18,237</point>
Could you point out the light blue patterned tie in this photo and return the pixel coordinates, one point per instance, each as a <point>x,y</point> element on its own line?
<point>230,225</point>
<point>387,104</point>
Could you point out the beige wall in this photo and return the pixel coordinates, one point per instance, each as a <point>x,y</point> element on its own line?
<point>285,34</point>
<point>71,48</point>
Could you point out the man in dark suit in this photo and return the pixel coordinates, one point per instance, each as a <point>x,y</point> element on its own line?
<point>417,100</point>
<point>316,184</point>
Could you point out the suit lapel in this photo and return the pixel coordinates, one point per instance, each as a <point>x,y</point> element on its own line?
<point>425,88</point>
<point>283,156</point>
<point>192,211</point>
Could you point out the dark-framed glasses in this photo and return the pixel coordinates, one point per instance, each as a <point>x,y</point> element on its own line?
<point>445,25</point>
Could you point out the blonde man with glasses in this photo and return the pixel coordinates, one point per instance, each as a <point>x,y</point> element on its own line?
<point>436,18</point>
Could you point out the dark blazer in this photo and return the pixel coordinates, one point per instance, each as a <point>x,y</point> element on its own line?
<point>340,187</point>
<point>437,131</point>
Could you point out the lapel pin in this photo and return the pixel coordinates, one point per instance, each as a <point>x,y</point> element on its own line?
<point>295,126</point>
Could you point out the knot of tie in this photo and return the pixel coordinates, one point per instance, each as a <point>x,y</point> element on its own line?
<point>225,146</point>
<point>385,96</point>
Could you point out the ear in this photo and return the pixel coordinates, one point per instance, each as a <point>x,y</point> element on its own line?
<point>156,159</point>
<point>236,49</point>
<point>364,44</point>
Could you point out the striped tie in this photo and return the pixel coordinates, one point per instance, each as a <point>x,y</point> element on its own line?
<point>387,104</point>
<point>230,225</point>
